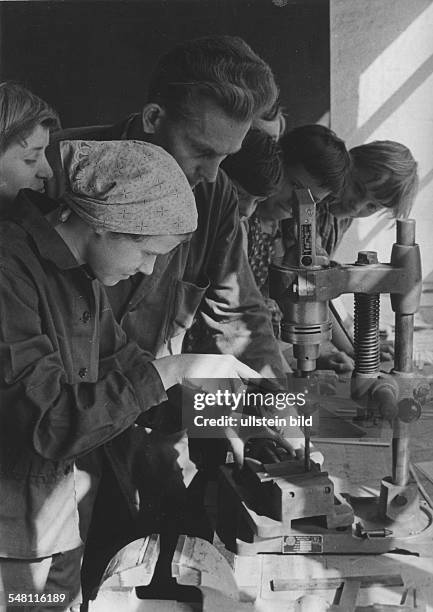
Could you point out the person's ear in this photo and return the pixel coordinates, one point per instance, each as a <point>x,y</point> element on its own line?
<point>152,117</point>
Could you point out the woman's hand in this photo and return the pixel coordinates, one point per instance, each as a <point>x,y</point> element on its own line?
<point>269,446</point>
<point>175,369</point>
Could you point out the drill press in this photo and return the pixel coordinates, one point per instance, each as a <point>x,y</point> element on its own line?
<point>289,508</point>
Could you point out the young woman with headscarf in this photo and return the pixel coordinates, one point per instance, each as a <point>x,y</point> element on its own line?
<point>71,380</point>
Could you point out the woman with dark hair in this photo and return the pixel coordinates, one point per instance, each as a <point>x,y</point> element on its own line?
<point>25,124</point>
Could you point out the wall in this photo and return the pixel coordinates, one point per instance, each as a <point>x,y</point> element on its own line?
<point>382,88</point>
<point>90,59</point>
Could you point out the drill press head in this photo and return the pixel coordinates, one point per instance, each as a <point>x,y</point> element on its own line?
<point>305,322</point>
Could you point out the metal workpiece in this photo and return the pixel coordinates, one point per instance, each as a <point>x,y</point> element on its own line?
<point>366,258</point>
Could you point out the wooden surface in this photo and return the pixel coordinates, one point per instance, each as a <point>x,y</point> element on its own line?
<point>255,575</point>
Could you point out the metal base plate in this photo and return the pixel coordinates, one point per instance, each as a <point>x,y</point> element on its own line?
<point>239,527</point>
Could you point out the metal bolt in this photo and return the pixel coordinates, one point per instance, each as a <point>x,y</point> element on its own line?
<point>366,257</point>
<point>400,500</point>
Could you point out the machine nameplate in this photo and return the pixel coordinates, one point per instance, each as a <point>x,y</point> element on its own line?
<point>302,544</point>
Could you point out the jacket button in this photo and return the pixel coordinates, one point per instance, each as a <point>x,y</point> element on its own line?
<point>86,316</point>
<point>82,373</point>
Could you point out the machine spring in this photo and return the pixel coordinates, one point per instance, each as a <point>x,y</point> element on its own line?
<point>367,353</point>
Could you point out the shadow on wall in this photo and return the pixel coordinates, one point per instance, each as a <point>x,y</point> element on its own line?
<point>91,59</point>
<point>381,88</point>
<point>365,32</point>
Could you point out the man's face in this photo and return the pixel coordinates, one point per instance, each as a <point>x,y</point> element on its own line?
<point>24,165</point>
<point>113,258</point>
<point>200,142</point>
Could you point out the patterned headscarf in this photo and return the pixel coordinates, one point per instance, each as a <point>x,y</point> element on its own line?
<point>127,186</point>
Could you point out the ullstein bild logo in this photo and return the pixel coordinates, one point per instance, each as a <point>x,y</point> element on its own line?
<point>251,420</point>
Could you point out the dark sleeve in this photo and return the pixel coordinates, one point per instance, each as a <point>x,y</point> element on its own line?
<point>233,309</point>
<point>40,407</point>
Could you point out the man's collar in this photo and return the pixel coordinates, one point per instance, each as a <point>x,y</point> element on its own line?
<point>29,210</point>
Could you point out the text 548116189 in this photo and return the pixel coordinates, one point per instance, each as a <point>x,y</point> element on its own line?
<point>18,598</point>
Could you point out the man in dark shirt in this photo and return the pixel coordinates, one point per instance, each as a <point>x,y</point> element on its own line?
<point>202,99</point>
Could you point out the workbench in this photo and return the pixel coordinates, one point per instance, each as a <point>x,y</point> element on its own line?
<point>354,469</point>
<point>277,582</point>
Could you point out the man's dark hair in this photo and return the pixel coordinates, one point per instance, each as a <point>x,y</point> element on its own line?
<point>223,69</point>
<point>323,155</point>
<point>257,166</point>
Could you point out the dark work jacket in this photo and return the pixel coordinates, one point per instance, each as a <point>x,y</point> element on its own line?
<point>70,381</point>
